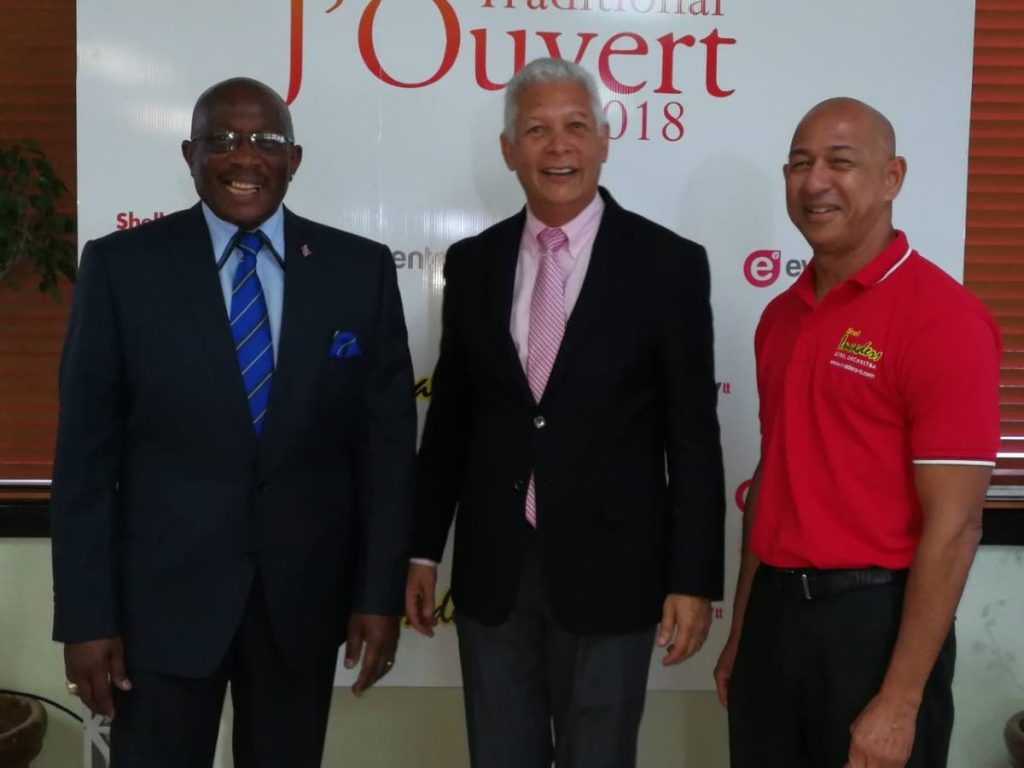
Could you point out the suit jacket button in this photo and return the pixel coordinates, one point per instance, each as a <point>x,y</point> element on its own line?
<point>517,485</point>
<point>260,486</point>
<point>539,422</point>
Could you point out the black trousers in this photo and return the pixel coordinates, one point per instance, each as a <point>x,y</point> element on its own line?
<point>535,693</point>
<point>805,669</point>
<point>280,714</point>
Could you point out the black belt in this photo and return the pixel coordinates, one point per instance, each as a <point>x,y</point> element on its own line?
<point>814,584</point>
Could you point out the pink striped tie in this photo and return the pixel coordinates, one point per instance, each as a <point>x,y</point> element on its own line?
<point>547,326</point>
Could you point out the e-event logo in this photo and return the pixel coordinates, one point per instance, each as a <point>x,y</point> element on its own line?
<point>762,268</point>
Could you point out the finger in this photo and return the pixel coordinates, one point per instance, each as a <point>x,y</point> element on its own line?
<point>100,686</point>
<point>412,609</point>
<point>426,606</point>
<point>427,592</point>
<point>385,665</point>
<point>691,636</point>
<point>674,654</point>
<point>692,645</point>
<point>387,650</point>
<point>700,631</point>
<point>76,677</point>
<point>668,622</point>
<point>353,645</point>
<point>118,671</point>
<point>686,643</point>
<point>85,693</point>
<point>722,688</point>
<point>364,680</point>
<point>422,614</point>
<point>369,671</point>
<point>696,642</point>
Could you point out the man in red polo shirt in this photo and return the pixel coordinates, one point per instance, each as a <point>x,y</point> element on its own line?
<point>878,381</point>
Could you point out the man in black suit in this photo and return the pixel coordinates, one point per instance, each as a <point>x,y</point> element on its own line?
<point>232,483</point>
<point>576,366</point>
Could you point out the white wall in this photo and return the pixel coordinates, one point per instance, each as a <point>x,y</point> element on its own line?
<point>423,728</point>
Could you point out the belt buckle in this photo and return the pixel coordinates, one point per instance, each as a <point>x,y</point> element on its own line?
<point>806,585</point>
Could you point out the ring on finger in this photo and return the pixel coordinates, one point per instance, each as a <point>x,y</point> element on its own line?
<point>72,688</point>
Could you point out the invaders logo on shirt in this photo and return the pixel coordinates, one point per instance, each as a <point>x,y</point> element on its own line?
<point>856,355</point>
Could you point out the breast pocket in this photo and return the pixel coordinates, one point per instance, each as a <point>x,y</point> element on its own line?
<point>343,378</point>
<point>343,370</point>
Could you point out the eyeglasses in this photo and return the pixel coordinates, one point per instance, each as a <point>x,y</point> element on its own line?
<point>264,143</point>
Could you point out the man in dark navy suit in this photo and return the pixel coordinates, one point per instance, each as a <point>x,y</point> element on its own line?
<point>231,495</point>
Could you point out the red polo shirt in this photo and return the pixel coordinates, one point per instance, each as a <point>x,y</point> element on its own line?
<point>898,365</point>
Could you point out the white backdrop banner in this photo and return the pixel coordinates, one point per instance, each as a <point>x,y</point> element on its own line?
<point>398,103</point>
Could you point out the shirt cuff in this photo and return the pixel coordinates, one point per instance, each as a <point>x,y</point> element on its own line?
<point>422,561</point>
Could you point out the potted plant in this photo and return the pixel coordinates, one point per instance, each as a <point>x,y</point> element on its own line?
<point>22,725</point>
<point>32,231</point>
<point>1013,734</point>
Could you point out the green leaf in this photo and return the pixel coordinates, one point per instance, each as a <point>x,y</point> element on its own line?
<point>31,228</point>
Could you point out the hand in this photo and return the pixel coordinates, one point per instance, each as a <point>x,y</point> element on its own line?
<point>380,635</point>
<point>723,669</point>
<point>689,619</point>
<point>882,736</point>
<point>93,665</point>
<point>420,597</point>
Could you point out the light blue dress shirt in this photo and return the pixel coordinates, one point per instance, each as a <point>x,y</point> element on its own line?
<point>269,264</point>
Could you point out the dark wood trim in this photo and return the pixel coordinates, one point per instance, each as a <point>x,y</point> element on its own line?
<point>25,519</point>
<point>1004,524</point>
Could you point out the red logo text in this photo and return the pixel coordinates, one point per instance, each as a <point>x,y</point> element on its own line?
<point>128,219</point>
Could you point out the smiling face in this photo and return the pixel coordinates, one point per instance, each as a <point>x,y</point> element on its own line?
<point>243,186</point>
<point>557,149</point>
<point>842,177</point>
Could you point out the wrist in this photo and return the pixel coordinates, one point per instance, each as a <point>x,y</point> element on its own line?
<point>901,694</point>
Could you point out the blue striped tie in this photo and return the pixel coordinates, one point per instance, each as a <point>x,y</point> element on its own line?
<point>250,328</point>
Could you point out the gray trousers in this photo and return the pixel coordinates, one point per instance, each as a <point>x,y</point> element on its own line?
<point>536,693</point>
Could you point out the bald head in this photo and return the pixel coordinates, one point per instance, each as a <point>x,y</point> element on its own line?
<point>872,126</point>
<point>238,90</point>
<point>241,152</point>
<point>841,179</point>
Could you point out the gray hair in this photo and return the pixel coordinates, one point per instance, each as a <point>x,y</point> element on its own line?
<point>549,71</point>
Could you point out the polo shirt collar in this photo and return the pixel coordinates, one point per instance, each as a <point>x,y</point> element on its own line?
<point>879,267</point>
<point>872,273</point>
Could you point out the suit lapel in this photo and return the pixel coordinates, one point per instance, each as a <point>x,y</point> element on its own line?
<point>193,266</point>
<point>599,281</point>
<point>502,284</point>
<point>296,345</point>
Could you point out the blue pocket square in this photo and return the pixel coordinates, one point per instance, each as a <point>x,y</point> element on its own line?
<point>345,344</point>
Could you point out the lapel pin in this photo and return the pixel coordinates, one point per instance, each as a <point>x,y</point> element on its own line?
<point>305,250</point>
